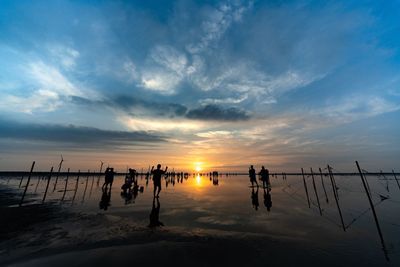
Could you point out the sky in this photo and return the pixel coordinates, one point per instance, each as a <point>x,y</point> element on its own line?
<point>216,84</point>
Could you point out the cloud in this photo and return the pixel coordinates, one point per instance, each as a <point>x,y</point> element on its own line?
<point>66,56</point>
<point>218,20</point>
<point>216,113</point>
<point>137,105</point>
<point>73,135</point>
<point>358,107</point>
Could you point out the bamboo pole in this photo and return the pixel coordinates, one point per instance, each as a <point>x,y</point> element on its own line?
<point>101,168</point>
<point>37,184</point>
<point>305,186</point>
<point>58,172</point>
<point>84,193</point>
<point>323,185</point>
<point>66,185</point>
<point>316,192</point>
<point>27,184</point>
<point>47,186</point>
<point>20,182</point>
<point>76,187</point>
<point>368,193</point>
<point>336,197</point>
<point>91,186</point>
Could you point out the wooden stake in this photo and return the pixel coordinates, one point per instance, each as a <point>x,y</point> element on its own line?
<point>76,187</point>
<point>316,192</point>
<point>66,185</point>
<point>58,172</point>
<point>38,178</point>
<point>91,186</point>
<point>323,185</point>
<point>336,197</point>
<point>47,186</point>
<point>27,184</point>
<point>84,193</point>
<point>20,182</point>
<point>305,186</point>
<point>366,187</point>
<point>101,168</point>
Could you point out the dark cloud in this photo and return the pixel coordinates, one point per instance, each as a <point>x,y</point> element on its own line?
<point>129,103</point>
<point>214,112</point>
<point>74,135</point>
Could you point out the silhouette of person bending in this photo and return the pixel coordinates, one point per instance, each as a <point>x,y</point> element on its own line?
<point>252,175</point>
<point>155,214</point>
<point>157,174</point>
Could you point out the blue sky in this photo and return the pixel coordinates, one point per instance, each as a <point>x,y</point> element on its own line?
<point>227,83</point>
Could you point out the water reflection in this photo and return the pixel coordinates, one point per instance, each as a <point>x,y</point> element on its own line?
<point>199,203</point>
<point>267,199</point>
<point>254,198</point>
<point>155,214</point>
<point>105,198</point>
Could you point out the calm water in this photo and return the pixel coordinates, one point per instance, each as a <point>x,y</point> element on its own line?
<point>199,203</point>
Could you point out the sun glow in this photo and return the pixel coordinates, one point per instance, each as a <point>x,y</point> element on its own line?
<point>198,181</point>
<point>198,166</point>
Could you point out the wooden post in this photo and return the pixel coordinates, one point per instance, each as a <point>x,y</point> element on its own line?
<point>323,185</point>
<point>101,168</point>
<point>27,184</point>
<point>91,186</point>
<point>316,192</point>
<point>334,181</point>
<point>397,181</point>
<point>305,186</point>
<point>84,193</point>
<point>58,172</point>
<point>20,182</point>
<point>76,187</point>
<point>368,193</point>
<point>336,197</point>
<point>66,185</point>
<point>47,186</point>
<point>37,184</point>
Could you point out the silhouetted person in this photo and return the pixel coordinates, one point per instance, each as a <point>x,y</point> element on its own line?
<point>267,200</point>
<point>265,177</point>
<point>105,199</point>
<point>254,198</point>
<point>157,174</point>
<point>129,179</point>
<point>155,214</point>
<point>109,177</point>
<point>127,195</point>
<point>252,175</point>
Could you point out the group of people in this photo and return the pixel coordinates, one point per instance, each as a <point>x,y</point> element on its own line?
<point>131,185</point>
<point>264,177</point>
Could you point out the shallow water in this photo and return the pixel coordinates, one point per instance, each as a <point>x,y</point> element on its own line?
<point>200,204</point>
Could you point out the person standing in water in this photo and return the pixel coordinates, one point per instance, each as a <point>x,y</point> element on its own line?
<point>157,174</point>
<point>252,175</point>
<point>265,177</point>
